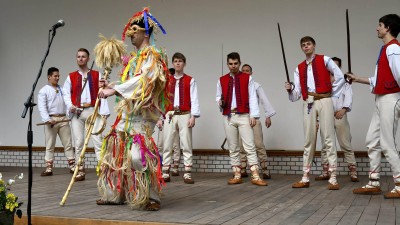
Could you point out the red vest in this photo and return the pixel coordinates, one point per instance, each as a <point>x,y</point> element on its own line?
<point>184,93</point>
<point>76,86</point>
<point>241,82</point>
<point>385,82</point>
<point>322,77</point>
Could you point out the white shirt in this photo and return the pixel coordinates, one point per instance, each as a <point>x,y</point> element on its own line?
<point>51,102</point>
<point>393,56</point>
<point>269,110</point>
<point>331,67</point>
<point>194,101</point>
<point>85,97</point>
<point>253,101</point>
<point>345,99</point>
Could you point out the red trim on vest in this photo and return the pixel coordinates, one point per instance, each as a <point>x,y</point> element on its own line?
<point>385,82</point>
<point>185,102</point>
<point>322,76</point>
<point>76,87</point>
<point>241,82</point>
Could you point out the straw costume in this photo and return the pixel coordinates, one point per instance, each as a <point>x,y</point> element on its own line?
<point>130,165</point>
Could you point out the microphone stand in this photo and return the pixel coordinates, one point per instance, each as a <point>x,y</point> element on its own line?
<point>30,104</point>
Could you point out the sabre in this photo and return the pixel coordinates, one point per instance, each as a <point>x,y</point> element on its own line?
<point>346,78</point>
<point>284,59</point>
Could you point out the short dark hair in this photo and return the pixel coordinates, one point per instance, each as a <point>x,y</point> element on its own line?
<point>307,38</point>
<point>51,70</point>
<point>233,55</point>
<point>84,50</point>
<point>140,23</point>
<point>338,60</point>
<point>179,55</point>
<point>171,71</point>
<point>391,21</point>
<point>251,68</point>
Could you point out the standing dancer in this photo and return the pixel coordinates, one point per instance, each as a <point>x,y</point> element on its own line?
<point>130,169</point>
<point>312,82</point>
<point>341,106</point>
<point>257,129</point>
<point>53,110</point>
<point>80,94</point>
<point>236,96</point>
<point>181,116</point>
<point>383,127</point>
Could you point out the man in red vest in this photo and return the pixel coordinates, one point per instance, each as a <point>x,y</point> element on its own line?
<point>180,118</point>
<point>312,83</point>
<point>81,88</point>
<point>237,98</point>
<point>382,129</point>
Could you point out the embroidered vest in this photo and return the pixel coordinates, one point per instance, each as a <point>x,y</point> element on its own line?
<point>322,77</point>
<point>385,82</point>
<point>241,82</point>
<point>184,93</point>
<point>76,86</point>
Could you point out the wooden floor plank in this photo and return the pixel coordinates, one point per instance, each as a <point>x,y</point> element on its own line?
<point>210,201</point>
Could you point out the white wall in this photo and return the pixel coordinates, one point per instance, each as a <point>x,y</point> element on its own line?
<point>198,29</point>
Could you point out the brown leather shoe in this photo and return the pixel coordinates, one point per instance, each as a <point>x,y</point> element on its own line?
<point>235,181</point>
<point>322,177</point>
<point>354,179</point>
<point>267,176</point>
<point>46,173</point>
<point>80,177</point>
<point>188,180</point>
<point>333,186</point>
<point>392,194</point>
<point>367,191</point>
<point>259,182</point>
<point>301,184</point>
<point>152,206</point>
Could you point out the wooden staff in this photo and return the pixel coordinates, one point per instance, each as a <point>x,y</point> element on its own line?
<point>48,123</point>
<point>108,54</point>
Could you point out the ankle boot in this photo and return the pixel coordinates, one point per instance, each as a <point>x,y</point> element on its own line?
<point>255,178</point>
<point>49,169</point>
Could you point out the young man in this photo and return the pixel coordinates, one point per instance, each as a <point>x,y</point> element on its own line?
<point>131,165</point>
<point>257,129</point>
<point>180,117</point>
<point>341,106</point>
<point>312,83</point>
<point>382,129</point>
<point>237,98</point>
<point>53,110</point>
<point>81,88</point>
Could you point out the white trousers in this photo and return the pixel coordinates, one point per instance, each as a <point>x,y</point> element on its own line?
<point>323,109</point>
<point>176,148</point>
<point>178,126</point>
<point>63,130</point>
<point>238,126</point>
<point>343,135</point>
<point>381,135</point>
<point>259,143</point>
<point>79,131</point>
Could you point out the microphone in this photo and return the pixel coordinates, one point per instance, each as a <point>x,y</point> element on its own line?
<point>60,23</point>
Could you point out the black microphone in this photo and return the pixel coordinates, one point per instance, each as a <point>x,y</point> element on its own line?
<point>60,23</point>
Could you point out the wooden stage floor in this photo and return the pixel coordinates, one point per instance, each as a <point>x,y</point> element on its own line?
<point>209,201</point>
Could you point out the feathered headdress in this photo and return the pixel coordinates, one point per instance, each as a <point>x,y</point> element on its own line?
<point>145,20</point>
